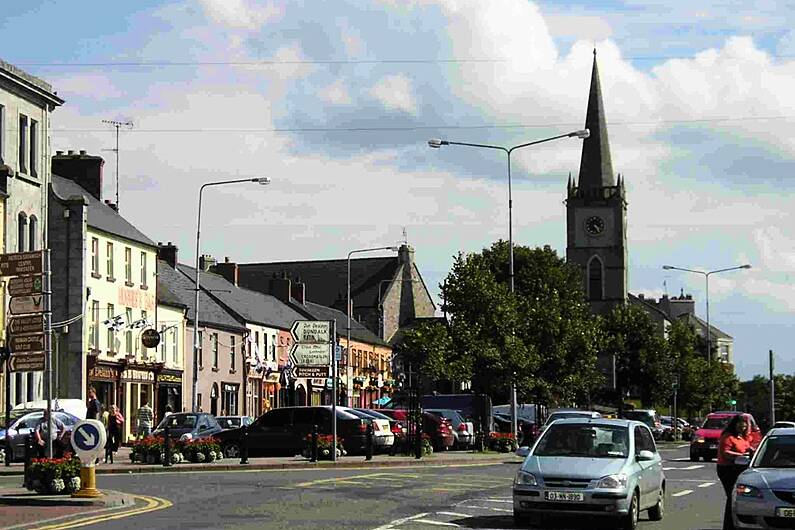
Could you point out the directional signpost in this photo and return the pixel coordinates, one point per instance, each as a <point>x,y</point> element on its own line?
<point>88,441</point>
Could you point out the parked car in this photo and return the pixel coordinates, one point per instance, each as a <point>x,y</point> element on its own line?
<point>684,429</point>
<point>705,440</point>
<point>607,468</point>
<point>24,426</point>
<point>233,422</point>
<point>463,431</point>
<point>188,426</point>
<point>784,425</point>
<point>764,494</point>
<point>383,437</point>
<point>75,407</point>
<point>649,417</point>
<point>283,431</point>
<point>439,429</point>
<point>474,407</point>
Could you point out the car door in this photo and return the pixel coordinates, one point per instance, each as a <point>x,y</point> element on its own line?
<point>650,470</point>
<point>303,419</point>
<point>270,434</point>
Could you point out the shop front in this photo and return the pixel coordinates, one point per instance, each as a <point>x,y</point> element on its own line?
<point>270,391</point>
<point>169,392</point>
<point>104,378</point>
<point>137,382</point>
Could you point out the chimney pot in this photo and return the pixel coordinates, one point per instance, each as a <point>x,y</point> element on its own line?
<point>82,152</point>
<point>85,171</point>
<point>58,153</point>
<point>70,152</point>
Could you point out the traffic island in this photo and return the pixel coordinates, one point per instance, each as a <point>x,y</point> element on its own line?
<point>23,497</point>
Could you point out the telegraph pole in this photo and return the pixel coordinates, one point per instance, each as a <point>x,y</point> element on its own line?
<point>117,125</point>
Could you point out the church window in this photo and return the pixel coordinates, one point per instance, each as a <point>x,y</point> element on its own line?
<point>595,284</point>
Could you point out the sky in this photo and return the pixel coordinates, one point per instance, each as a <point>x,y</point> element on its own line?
<point>335,102</point>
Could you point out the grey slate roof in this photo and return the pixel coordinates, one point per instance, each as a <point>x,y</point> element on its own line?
<point>651,308</point>
<point>100,215</point>
<point>358,331</point>
<point>165,293</point>
<point>249,306</point>
<point>702,325</point>
<point>183,289</point>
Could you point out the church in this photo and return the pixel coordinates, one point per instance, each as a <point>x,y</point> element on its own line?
<point>596,234</point>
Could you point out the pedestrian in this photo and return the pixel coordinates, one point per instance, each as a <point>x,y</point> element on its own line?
<point>42,431</point>
<point>733,443</point>
<point>145,418</point>
<point>94,408</point>
<point>169,412</point>
<point>115,424</point>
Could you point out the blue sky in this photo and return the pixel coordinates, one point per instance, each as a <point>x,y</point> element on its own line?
<point>335,101</point>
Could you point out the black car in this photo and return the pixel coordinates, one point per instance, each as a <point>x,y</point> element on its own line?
<point>283,431</point>
<point>188,426</point>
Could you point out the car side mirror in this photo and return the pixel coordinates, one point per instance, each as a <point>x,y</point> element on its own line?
<point>523,451</point>
<point>645,456</point>
<point>742,460</point>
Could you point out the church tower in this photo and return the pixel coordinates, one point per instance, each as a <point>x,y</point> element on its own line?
<point>596,213</point>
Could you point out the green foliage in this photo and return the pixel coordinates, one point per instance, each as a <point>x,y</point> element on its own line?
<point>754,397</point>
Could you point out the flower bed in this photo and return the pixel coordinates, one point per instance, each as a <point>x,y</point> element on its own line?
<point>152,450</point>
<point>52,476</point>
<point>324,444</point>
<point>504,442</point>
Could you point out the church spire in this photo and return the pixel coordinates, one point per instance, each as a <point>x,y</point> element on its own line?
<point>596,168</point>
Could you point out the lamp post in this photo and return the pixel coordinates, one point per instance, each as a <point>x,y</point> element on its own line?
<point>436,143</point>
<point>706,275</point>
<point>259,180</point>
<point>348,311</point>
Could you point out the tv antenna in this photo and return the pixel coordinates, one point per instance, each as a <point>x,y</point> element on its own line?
<point>117,124</point>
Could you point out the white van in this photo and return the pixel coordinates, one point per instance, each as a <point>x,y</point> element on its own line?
<point>75,407</point>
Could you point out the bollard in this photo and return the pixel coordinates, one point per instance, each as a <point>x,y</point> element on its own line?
<point>9,452</point>
<point>418,442</point>
<point>369,442</point>
<point>313,447</point>
<point>244,446</point>
<point>27,454</point>
<point>167,447</point>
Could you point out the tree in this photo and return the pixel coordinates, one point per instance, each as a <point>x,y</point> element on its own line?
<point>427,348</point>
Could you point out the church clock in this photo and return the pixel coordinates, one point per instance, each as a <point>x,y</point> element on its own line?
<point>594,225</point>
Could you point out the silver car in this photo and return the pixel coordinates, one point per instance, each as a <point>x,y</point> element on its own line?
<point>764,494</point>
<point>598,467</point>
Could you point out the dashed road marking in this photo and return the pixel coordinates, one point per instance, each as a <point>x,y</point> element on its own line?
<point>400,521</point>
<point>690,468</point>
<point>487,507</point>
<point>453,514</point>
<point>498,500</point>
<point>435,523</point>
<point>669,468</point>
<point>706,484</point>
<point>682,493</point>
<point>682,446</point>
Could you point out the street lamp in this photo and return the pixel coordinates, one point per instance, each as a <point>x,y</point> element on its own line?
<point>348,311</point>
<point>436,143</point>
<point>706,275</point>
<point>259,180</point>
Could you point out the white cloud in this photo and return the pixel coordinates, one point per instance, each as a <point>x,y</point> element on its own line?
<point>395,92</point>
<point>85,85</point>
<point>242,14</point>
<point>579,26</point>
<point>335,93</point>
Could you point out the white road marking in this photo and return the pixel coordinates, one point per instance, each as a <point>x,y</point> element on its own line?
<point>683,445</point>
<point>436,523</point>
<point>706,484</point>
<point>498,500</point>
<point>454,514</point>
<point>391,525</point>
<point>694,466</point>
<point>682,493</point>
<point>487,508</point>
<point>669,468</point>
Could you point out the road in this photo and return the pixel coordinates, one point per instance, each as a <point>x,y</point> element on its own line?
<point>471,496</point>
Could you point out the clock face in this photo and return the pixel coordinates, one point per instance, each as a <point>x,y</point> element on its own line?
<point>594,225</point>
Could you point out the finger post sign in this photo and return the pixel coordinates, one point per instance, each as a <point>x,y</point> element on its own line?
<point>88,441</point>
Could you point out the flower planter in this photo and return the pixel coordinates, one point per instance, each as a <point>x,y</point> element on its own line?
<point>53,476</point>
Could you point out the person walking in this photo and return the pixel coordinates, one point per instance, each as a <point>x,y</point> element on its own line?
<point>733,443</point>
<point>94,407</point>
<point>145,419</point>
<point>115,424</point>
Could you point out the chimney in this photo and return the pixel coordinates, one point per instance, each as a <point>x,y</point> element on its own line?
<point>280,288</point>
<point>206,262</point>
<point>641,296</point>
<point>112,205</point>
<point>168,253</point>
<point>298,291</point>
<point>227,269</point>
<point>84,169</point>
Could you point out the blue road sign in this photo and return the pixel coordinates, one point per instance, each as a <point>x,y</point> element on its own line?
<point>86,437</point>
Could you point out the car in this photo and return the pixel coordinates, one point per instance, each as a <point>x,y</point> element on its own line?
<point>684,429</point>
<point>383,437</point>
<point>284,431</point>
<point>704,443</point>
<point>569,413</point>
<point>784,425</point>
<point>764,494</point>
<point>599,467</point>
<point>233,422</point>
<point>187,426</point>
<point>649,417</point>
<point>439,429</point>
<point>75,407</point>
<point>463,431</point>
<point>24,426</point>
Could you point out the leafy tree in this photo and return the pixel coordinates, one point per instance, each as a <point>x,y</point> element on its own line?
<point>427,348</point>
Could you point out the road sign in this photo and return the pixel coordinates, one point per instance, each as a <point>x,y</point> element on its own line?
<point>311,371</point>
<point>338,353</point>
<point>26,343</point>
<point>88,440</point>
<point>27,362</point>
<point>20,305</point>
<point>315,331</point>
<point>310,354</point>
<point>25,285</point>
<point>26,324</point>
<point>22,263</point>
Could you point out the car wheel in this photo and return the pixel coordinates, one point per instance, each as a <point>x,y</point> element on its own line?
<point>693,458</point>
<point>657,511</point>
<point>232,450</point>
<point>631,519</point>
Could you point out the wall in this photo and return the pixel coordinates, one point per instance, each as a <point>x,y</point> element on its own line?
<point>210,376</point>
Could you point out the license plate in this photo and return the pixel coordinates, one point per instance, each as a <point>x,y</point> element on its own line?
<point>713,446</point>
<point>565,496</point>
<point>789,513</point>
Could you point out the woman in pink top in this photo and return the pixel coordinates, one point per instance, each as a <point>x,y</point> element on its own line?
<point>733,443</point>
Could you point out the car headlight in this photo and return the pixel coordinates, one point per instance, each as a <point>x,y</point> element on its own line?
<point>700,440</point>
<point>745,490</point>
<point>186,437</point>
<point>523,478</point>
<point>613,482</point>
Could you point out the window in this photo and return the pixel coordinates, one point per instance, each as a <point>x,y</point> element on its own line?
<point>94,257</point>
<point>644,440</point>
<point>200,354</point>
<point>93,331</point>
<point>2,134</point>
<point>111,334</point>
<point>595,291</point>
<point>143,269</point>
<point>163,343</point>
<point>257,351</point>
<point>22,231</point>
<point>198,401</point>
<point>128,265</point>
<point>138,345</point>
<point>214,344</point>
<point>129,336</point>
<point>724,353</point>
<point>34,148</point>
<point>265,356</point>
<point>174,347</point>
<point>23,143</point>
<point>33,229</point>
<point>232,355</point>
<point>109,261</point>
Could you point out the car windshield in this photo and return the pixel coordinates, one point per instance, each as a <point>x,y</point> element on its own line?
<point>584,440</point>
<point>716,423</point>
<point>178,422</point>
<point>777,452</point>
<point>564,415</point>
<point>228,423</point>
